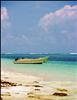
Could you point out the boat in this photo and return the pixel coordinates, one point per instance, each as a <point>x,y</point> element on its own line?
<point>30,60</point>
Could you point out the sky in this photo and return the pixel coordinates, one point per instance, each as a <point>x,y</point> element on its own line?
<point>38,26</point>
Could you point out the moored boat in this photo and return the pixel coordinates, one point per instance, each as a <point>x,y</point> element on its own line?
<point>30,61</point>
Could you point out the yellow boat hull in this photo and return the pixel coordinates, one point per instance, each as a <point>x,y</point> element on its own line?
<point>30,61</point>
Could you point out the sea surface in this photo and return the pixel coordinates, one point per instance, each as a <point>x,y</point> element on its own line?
<point>59,67</point>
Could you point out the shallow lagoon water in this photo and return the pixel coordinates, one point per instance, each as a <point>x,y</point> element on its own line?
<point>51,70</point>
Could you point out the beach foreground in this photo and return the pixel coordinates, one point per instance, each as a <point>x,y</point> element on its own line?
<point>17,86</point>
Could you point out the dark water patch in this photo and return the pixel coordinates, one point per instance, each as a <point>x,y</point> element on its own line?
<point>51,57</point>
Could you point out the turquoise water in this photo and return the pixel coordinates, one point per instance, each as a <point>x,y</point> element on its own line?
<point>51,70</point>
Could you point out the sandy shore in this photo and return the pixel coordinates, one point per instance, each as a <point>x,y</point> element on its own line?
<point>18,77</point>
<point>17,86</point>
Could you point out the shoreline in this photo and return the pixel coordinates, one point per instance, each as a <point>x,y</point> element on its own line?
<point>5,72</point>
<point>14,76</point>
<point>48,72</point>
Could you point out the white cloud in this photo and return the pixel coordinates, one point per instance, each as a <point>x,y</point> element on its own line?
<point>59,17</point>
<point>4,14</point>
<point>62,26</point>
<point>5,23</point>
<point>5,28</point>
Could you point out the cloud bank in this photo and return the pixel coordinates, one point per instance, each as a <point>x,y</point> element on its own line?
<point>62,25</point>
<point>59,17</point>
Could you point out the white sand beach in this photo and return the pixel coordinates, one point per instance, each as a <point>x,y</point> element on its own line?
<point>19,86</point>
<point>18,77</point>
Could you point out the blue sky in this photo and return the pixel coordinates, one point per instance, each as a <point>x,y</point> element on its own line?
<point>38,26</point>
